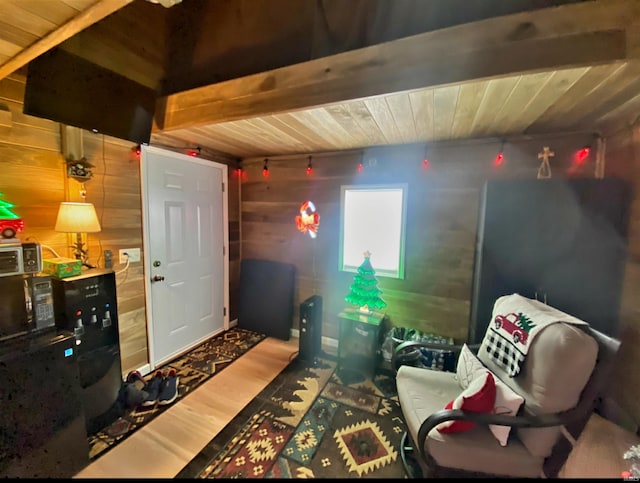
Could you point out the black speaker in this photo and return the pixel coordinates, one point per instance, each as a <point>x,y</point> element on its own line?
<point>310,329</point>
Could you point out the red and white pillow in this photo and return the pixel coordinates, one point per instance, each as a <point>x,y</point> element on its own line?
<point>507,401</point>
<point>478,397</point>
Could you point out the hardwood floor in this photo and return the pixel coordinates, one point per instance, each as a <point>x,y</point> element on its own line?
<point>165,445</point>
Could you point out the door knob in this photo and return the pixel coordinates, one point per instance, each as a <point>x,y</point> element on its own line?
<point>157,278</point>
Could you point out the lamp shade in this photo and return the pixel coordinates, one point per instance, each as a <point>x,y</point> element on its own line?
<point>77,218</point>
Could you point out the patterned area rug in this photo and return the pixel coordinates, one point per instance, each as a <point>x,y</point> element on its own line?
<point>309,423</point>
<point>193,368</point>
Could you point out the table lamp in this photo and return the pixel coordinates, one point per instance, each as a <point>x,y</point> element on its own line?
<point>78,218</point>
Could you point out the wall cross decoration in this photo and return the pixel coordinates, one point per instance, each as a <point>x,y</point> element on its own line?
<point>544,171</point>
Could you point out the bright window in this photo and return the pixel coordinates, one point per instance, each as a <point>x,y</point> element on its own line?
<point>373,220</point>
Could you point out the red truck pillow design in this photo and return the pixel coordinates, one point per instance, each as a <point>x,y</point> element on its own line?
<point>517,325</point>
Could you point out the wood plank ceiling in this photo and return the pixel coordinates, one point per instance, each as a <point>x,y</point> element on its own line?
<point>539,103</point>
<point>573,68</point>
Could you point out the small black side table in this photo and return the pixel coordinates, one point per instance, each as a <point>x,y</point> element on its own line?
<point>358,344</point>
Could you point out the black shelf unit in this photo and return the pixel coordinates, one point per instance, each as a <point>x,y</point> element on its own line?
<point>562,241</point>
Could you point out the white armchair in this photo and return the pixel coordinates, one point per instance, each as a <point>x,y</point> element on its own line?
<point>519,433</point>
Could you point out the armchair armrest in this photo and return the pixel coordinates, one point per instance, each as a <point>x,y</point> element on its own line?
<point>401,352</point>
<point>575,414</point>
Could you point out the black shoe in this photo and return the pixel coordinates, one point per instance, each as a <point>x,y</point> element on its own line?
<point>136,379</point>
<point>153,389</point>
<point>169,388</point>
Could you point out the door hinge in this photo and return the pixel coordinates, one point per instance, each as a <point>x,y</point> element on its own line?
<point>224,250</point>
<point>224,311</point>
<point>223,186</point>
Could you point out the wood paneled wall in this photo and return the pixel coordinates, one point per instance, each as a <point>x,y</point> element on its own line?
<point>442,215</point>
<point>115,192</point>
<point>31,167</point>
<point>33,178</point>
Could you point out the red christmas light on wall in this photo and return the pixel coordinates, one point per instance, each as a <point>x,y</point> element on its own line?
<point>582,155</point>
<point>425,159</point>
<point>265,168</point>
<point>238,169</point>
<point>309,167</point>
<point>499,159</point>
<point>194,152</point>
<point>360,167</point>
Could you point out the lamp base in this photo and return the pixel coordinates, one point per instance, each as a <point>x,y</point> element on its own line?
<point>81,254</point>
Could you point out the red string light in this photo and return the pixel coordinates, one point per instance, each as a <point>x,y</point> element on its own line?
<point>238,170</point>
<point>425,159</point>
<point>265,168</point>
<point>360,167</point>
<point>309,167</point>
<point>499,159</point>
<point>583,154</point>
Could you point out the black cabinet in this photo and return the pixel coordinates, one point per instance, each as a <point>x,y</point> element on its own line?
<point>560,241</point>
<point>359,344</point>
<point>42,422</point>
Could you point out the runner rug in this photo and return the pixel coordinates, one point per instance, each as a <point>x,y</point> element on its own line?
<point>309,423</point>
<point>192,368</point>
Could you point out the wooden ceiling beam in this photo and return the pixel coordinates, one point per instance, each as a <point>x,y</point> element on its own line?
<point>86,18</point>
<point>574,35</point>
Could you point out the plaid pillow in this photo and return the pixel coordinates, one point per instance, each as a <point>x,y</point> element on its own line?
<point>502,352</point>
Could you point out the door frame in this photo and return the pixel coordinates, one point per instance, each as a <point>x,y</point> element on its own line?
<point>144,169</point>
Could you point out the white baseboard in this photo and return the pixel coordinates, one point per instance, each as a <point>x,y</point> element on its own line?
<point>326,341</point>
<point>144,370</point>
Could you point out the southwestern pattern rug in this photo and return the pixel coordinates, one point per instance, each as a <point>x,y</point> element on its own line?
<point>309,423</point>
<point>192,368</point>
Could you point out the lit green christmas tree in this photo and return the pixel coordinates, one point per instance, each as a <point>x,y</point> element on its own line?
<point>364,291</point>
<point>5,211</point>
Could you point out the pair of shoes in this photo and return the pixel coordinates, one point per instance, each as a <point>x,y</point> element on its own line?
<point>152,388</point>
<point>169,388</point>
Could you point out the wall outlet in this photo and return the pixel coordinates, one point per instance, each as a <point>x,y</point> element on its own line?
<point>134,255</point>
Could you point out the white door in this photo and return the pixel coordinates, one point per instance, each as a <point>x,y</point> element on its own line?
<point>186,263</point>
